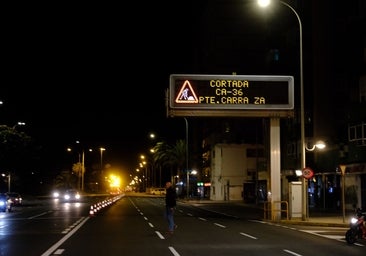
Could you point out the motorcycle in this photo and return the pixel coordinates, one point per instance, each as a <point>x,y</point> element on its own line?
<point>356,230</point>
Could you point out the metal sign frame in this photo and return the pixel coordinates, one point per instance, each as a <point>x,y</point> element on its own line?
<point>230,95</point>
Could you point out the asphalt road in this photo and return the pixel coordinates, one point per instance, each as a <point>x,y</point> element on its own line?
<point>136,226</point>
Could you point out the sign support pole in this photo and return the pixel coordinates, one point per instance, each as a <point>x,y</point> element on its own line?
<point>343,169</point>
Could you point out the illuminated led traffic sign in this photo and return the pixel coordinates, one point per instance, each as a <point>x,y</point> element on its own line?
<point>231,92</point>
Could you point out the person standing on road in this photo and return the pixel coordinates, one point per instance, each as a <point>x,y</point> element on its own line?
<point>170,204</point>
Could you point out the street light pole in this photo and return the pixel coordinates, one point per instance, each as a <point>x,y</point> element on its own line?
<point>82,170</point>
<point>305,214</point>
<point>187,184</point>
<point>101,159</point>
<point>9,180</point>
<point>343,169</point>
<point>146,180</point>
<point>81,167</point>
<point>186,121</point>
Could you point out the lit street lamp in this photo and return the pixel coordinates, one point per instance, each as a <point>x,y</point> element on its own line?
<point>265,3</point>
<point>144,164</point>
<point>318,145</point>
<point>153,174</point>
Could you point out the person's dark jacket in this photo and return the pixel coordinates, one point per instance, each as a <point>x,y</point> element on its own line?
<point>170,197</point>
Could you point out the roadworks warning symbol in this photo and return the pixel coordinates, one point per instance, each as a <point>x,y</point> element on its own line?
<point>186,94</point>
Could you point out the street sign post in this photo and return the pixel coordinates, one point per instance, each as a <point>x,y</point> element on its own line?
<point>237,96</point>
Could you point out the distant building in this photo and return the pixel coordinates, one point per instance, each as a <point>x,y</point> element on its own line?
<point>238,40</point>
<point>235,171</point>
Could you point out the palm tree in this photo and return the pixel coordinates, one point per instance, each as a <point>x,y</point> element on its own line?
<point>65,180</point>
<point>161,156</point>
<point>178,155</point>
<point>172,156</point>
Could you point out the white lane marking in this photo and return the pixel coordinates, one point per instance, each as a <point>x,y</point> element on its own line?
<point>59,251</point>
<point>175,253</point>
<point>159,235</point>
<point>221,226</point>
<point>36,216</point>
<point>72,226</point>
<point>291,252</point>
<point>244,234</point>
<point>313,230</point>
<point>259,221</point>
<point>62,240</point>
<point>318,233</point>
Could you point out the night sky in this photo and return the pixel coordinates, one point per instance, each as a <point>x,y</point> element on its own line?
<point>95,73</point>
<point>98,73</point>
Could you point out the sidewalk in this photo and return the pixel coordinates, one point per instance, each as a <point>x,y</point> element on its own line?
<point>324,217</point>
<point>330,221</point>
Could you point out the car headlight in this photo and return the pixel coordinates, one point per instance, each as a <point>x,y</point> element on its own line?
<point>354,220</point>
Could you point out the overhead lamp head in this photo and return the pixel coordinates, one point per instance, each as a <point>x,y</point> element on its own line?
<point>319,145</point>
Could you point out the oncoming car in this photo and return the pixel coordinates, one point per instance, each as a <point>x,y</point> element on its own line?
<point>5,203</point>
<point>16,198</point>
<point>71,195</point>
<point>68,195</point>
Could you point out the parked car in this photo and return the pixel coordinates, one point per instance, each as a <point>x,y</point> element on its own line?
<point>5,203</point>
<point>16,198</point>
<point>158,191</point>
